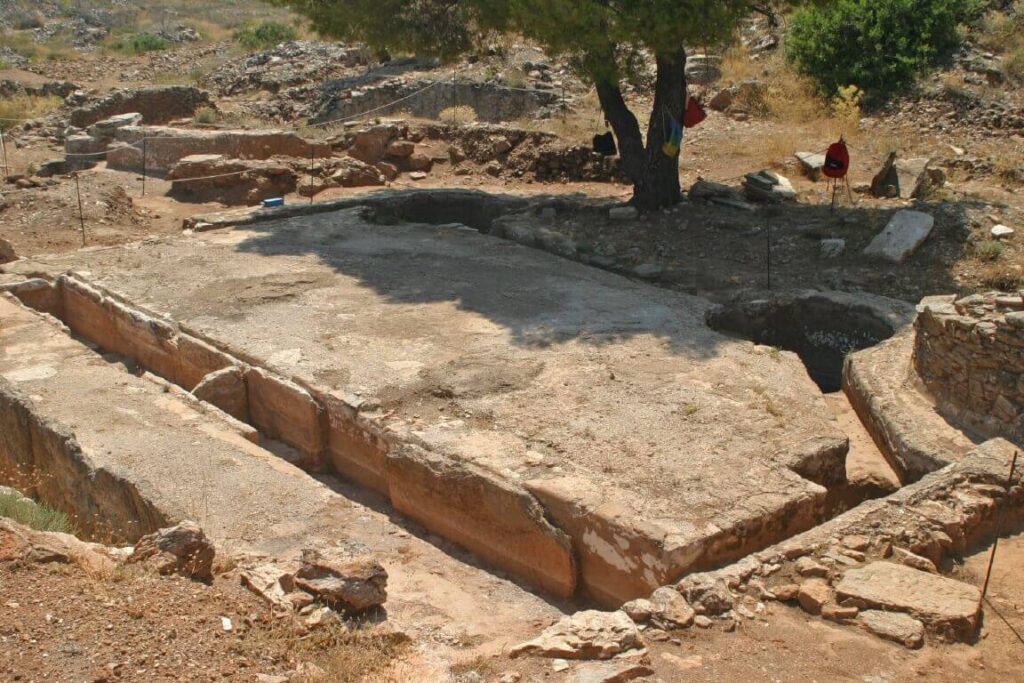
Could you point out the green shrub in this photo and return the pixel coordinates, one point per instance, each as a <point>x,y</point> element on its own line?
<point>24,21</point>
<point>880,46</point>
<point>205,115</point>
<point>146,42</point>
<point>989,250</point>
<point>32,514</point>
<point>266,35</point>
<point>139,43</point>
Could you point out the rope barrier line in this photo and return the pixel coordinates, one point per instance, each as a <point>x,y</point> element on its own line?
<point>375,109</point>
<point>210,177</point>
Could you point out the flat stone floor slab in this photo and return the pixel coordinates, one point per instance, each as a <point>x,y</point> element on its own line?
<point>606,399</point>
<point>185,463</point>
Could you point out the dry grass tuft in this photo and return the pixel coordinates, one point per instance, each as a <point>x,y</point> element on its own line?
<point>462,113</point>
<point>337,653</point>
<point>33,515</point>
<point>25,107</point>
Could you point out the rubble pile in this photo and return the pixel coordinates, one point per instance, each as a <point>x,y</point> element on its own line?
<point>286,66</point>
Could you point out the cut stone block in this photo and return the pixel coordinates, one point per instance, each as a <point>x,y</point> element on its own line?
<point>811,164</point>
<point>906,231</point>
<point>947,606</point>
<point>225,389</point>
<point>894,626</point>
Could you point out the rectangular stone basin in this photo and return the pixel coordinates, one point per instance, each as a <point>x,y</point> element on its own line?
<point>582,431</point>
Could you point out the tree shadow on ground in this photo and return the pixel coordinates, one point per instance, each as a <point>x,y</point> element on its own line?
<point>543,299</point>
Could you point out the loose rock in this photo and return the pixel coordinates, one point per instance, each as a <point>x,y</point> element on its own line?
<point>590,634</point>
<point>353,585</point>
<point>671,611</point>
<point>180,549</point>
<point>894,626</point>
<point>813,595</point>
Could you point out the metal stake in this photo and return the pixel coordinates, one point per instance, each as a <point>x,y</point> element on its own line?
<point>144,166</point>
<point>768,249</point>
<point>999,531</point>
<point>3,145</point>
<point>81,212</point>
<point>311,152</point>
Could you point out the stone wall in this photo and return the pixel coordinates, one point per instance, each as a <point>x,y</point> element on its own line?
<point>158,104</point>
<point>167,146</point>
<point>492,103</point>
<point>970,354</point>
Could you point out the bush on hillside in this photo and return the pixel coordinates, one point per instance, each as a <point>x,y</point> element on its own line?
<point>266,35</point>
<point>140,43</point>
<point>880,46</point>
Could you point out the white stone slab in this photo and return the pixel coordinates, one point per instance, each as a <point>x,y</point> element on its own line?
<point>906,231</point>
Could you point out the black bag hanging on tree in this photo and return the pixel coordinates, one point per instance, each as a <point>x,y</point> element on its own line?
<point>604,143</point>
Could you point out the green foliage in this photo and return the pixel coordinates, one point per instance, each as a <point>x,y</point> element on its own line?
<point>880,46</point>
<point>989,250</point>
<point>601,34</point>
<point>205,115</point>
<point>24,20</point>
<point>34,515</point>
<point>266,35</point>
<point>140,43</point>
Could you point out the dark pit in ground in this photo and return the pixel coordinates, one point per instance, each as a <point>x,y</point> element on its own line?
<point>820,327</point>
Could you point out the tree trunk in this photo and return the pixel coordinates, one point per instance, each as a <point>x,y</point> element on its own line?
<point>654,174</point>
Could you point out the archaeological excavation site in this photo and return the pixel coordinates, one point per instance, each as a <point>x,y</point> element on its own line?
<point>338,364</point>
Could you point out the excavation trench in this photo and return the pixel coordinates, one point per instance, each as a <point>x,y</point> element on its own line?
<point>823,328</point>
<point>544,531</point>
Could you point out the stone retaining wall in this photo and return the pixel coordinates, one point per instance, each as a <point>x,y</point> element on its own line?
<point>167,146</point>
<point>43,459</point>
<point>492,103</point>
<point>157,104</point>
<point>970,354</point>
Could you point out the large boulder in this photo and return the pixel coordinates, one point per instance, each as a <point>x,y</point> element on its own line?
<point>351,172</point>
<point>902,178</point>
<point>181,549</point>
<point>590,634</point>
<point>369,145</point>
<point>7,252</point>
<point>215,178</point>
<point>354,585</point>
<point>745,94</point>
